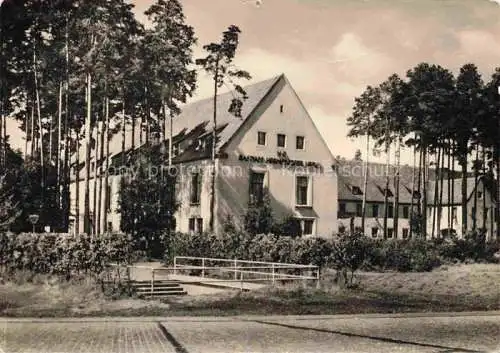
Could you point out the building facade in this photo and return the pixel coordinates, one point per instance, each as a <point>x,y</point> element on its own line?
<point>444,201</point>
<point>274,148</point>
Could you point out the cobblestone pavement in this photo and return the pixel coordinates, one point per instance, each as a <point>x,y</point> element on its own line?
<point>363,333</point>
<point>84,337</point>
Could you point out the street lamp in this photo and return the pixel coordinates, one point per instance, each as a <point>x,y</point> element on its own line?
<point>33,218</point>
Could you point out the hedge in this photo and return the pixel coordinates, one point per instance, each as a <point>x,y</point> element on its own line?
<point>345,251</point>
<point>62,254</point>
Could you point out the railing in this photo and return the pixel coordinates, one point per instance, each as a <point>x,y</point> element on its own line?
<point>211,270</point>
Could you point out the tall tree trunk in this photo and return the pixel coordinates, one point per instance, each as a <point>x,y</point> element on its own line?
<point>365,184</point>
<point>40,130</point>
<point>88,137</point>
<point>2,145</point>
<point>148,117</point>
<point>449,175</point>
<point>51,140</point>
<point>94,186</point>
<point>107,196</point>
<point>59,145</point>
<point>420,188</point>
<point>66,197</point>
<point>100,176</point>
<point>123,131</point>
<point>463,163</point>
<point>425,185</point>
<point>476,177</point>
<point>453,201</point>
<point>483,168</point>
<point>77,185</point>
<point>441,187</point>
<point>32,132</point>
<point>396,188</point>
<point>386,191</point>
<point>132,142</point>
<point>26,134</point>
<point>436,193</point>
<point>496,155</point>
<point>214,149</point>
<point>171,135</point>
<point>412,205</point>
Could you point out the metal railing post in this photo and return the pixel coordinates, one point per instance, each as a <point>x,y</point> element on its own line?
<point>203,268</point>
<point>273,274</point>
<point>317,278</point>
<point>235,269</point>
<point>241,280</point>
<point>175,265</point>
<point>152,281</point>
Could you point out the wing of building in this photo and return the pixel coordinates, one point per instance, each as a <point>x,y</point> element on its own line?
<point>274,146</point>
<point>444,200</point>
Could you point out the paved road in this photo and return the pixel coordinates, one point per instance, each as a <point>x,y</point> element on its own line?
<point>367,333</point>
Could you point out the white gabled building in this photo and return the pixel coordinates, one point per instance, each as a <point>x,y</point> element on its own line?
<point>275,145</point>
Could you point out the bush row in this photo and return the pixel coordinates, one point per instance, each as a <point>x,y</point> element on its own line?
<point>62,254</point>
<point>342,252</point>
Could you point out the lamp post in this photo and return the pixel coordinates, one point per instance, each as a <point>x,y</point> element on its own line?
<point>33,218</point>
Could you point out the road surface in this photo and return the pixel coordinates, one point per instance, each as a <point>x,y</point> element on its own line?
<point>362,333</point>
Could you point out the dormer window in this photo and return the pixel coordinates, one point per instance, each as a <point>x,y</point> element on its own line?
<point>356,190</point>
<point>200,144</point>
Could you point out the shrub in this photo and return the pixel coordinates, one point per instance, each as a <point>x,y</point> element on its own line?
<point>61,254</point>
<point>348,255</point>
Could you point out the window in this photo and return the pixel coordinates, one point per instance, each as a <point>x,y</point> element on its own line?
<point>192,224</point>
<point>480,195</point>
<point>375,210</point>
<point>281,140</point>
<point>405,233</point>
<point>416,194</point>
<point>406,212</point>
<point>261,138</point>
<point>299,142</point>
<point>199,224</point>
<point>108,198</point>
<point>110,227</point>
<point>175,150</point>
<point>308,227</point>
<point>302,191</point>
<point>390,211</point>
<point>356,190</point>
<point>374,232</point>
<point>195,188</point>
<point>454,214</point>
<point>359,210</point>
<point>256,188</point>
<point>281,108</point>
<point>390,232</point>
<point>342,208</point>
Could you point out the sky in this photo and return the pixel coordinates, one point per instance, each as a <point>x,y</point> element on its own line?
<point>330,50</point>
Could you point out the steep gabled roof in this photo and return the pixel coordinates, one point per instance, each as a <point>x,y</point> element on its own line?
<point>195,122</point>
<point>456,190</point>
<point>202,111</point>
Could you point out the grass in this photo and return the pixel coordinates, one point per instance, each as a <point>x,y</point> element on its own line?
<point>455,288</point>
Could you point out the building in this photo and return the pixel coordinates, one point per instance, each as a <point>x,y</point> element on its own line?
<point>480,204</point>
<point>351,178</point>
<point>447,217</point>
<point>274,146</point>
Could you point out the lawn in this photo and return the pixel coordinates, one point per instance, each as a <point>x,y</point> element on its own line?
<point>453,288</point>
